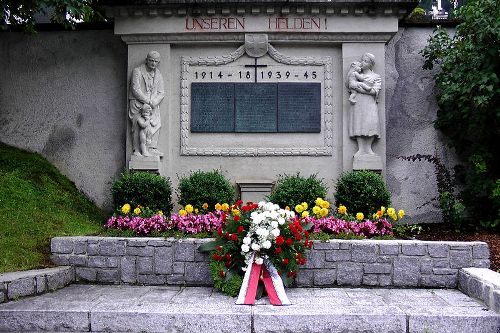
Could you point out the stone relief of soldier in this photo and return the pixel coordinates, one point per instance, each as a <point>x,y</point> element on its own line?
<point>364,87</point>
<point>146,93</point>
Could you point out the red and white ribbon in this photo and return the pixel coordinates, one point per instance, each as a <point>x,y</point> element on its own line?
<point>272,282</point>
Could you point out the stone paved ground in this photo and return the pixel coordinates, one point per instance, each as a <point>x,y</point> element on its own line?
<point>98,308</point>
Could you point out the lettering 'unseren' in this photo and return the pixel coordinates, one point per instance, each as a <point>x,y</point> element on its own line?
<point>215,23</point>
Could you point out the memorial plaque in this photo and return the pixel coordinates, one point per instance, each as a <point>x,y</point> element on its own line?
<point>299,107</point>
<point>212,107</point>
<point>256,107</point>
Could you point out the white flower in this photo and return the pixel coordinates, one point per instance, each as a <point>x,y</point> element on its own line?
<point>266,244</point>
<point>247,240</point>
<point>274,224</point>
<point>275,232</point>
<point>255,247</point>
<point>259,261</point>
<point>261,203</point>
<point>245,248</point>
<point>281,221</point>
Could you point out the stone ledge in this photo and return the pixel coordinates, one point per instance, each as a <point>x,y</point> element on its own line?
<point>28,283</point>
<point>482,284</point>
<point>384,263</point>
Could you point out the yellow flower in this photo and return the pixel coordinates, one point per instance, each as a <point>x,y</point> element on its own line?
<point>382,209</point>
<point>342,209</point>
<point>316,210</point>
<point>299,209</point>
<point>137,211</point>
<point>324,212</point>
<point>225,207</point>
<point>391,211</point>
<point>305,213</point>
<point>159,213</point>
<point>360,216</point>
<point>235,212</point>
<point>182,212</point>
<point>304,205</point>
<point>126,209</point>
<point>196,210</point>
<point>318,201</point>
<point>287,208</point>
<point>379,214</point>
<point>204,206</point>
<point>325,204</point>
<point>189,209</point>
<point>401,213</point>
<point>375,216</point>
<point>393,216</point>
<point>218,206</point>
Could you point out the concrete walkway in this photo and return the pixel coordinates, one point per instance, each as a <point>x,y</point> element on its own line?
<point>97,308</point>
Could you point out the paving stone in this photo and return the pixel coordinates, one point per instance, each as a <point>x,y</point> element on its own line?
<point>349,273</point>
<point>338,255</point>
<point>78,260</point>
<point>41,284</point>
<point>440,263</point>
<point>406,271</point>
<point>46,319</point>
<point>98,261</point>
<point>178,267</point>
<point>60,259</point>
<point>85,274</point>
<point>162,242</point>
<point>319,245</point>
<point>305,278</point>
<point>377,268</point>
<point>145,251</point>
<point>184,251</point>
<point>386,259</point>
<point>176,279</point>
<point>163,260</point>
<point>364,252</point>
<point>198,273</point>
<point>200,256</point>
<point>391,249</point>
<point>139,242</point>
<point>417,249</point>
<point>480,251</point>
<point>144,265</point>
<point>128,270</point>
<point>437,250</point>
<point>445,271</point>
<point>112,248</point>
<point>370,280</point>
<point>439,281</point>
<point>481,263</point>
<point>108,275</point>
<point>315,259</point>
<point>460,258</point>
<point>426,266</point>
<point>151,279</point>
<point>385,280</point>
<point>345,245</point>
<point>93,249</point>
<point>324,277</point>
<point>21,287</point>
<point>496,301</point>
<point>61,245</point>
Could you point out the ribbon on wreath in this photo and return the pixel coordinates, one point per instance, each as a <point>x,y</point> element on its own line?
<point>272,283</point>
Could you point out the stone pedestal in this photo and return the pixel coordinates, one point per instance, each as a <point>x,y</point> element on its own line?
<point>254,192</point>
<point>144,163</point>
<point>367,162</point>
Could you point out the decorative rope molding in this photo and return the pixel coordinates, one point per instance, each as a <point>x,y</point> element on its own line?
<point>325,149</point>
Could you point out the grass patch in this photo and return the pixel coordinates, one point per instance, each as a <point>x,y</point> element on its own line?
<point>37,203</point>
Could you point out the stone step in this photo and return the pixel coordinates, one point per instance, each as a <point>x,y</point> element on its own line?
<point>97,308</point>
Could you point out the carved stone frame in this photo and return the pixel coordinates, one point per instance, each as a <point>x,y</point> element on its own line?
<point>326,149</point>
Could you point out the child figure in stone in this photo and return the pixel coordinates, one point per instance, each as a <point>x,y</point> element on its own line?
<point>146,126</point>
<point>355,82</point>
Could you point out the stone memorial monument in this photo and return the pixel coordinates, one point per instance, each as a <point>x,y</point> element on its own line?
<point>257,89</point>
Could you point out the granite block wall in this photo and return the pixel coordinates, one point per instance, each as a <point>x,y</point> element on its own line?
<point>158,261</point>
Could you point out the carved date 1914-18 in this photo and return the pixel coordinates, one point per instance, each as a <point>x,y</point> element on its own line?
<point>278,75</point>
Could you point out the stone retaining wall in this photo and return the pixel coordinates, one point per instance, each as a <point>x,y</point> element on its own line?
<point>157,261</point>
<point>482,284</point>
<point>27,283</point>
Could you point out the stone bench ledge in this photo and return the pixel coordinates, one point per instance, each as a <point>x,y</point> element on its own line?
<point>481,283</point>
<point>27,283</point>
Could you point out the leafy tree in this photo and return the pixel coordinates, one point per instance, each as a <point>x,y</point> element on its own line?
<point>468,97</point>
<point>22,13</point>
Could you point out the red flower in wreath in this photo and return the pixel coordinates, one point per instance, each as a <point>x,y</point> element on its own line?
<point>289,242</point>
<point>280,240</point>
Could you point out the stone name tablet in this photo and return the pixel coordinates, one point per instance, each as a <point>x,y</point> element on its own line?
<point>299,107</point>
<point>256,107</point>
<point>212,107</point>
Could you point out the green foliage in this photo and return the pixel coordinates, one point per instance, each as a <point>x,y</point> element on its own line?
<point>362,191</point>
<point>145,189</point>
<point>292,190</point>
<point>469,102</point>
<point>37,203</point>
<point>205,187</point>
<point>417,13</point>
<point>21,13</point>
<point>229,284</point>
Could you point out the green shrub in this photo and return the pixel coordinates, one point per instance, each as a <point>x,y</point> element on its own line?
<point>205,187</point>
<point>145,189</point>
<point>362,191</point>
<point>291,190</point>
